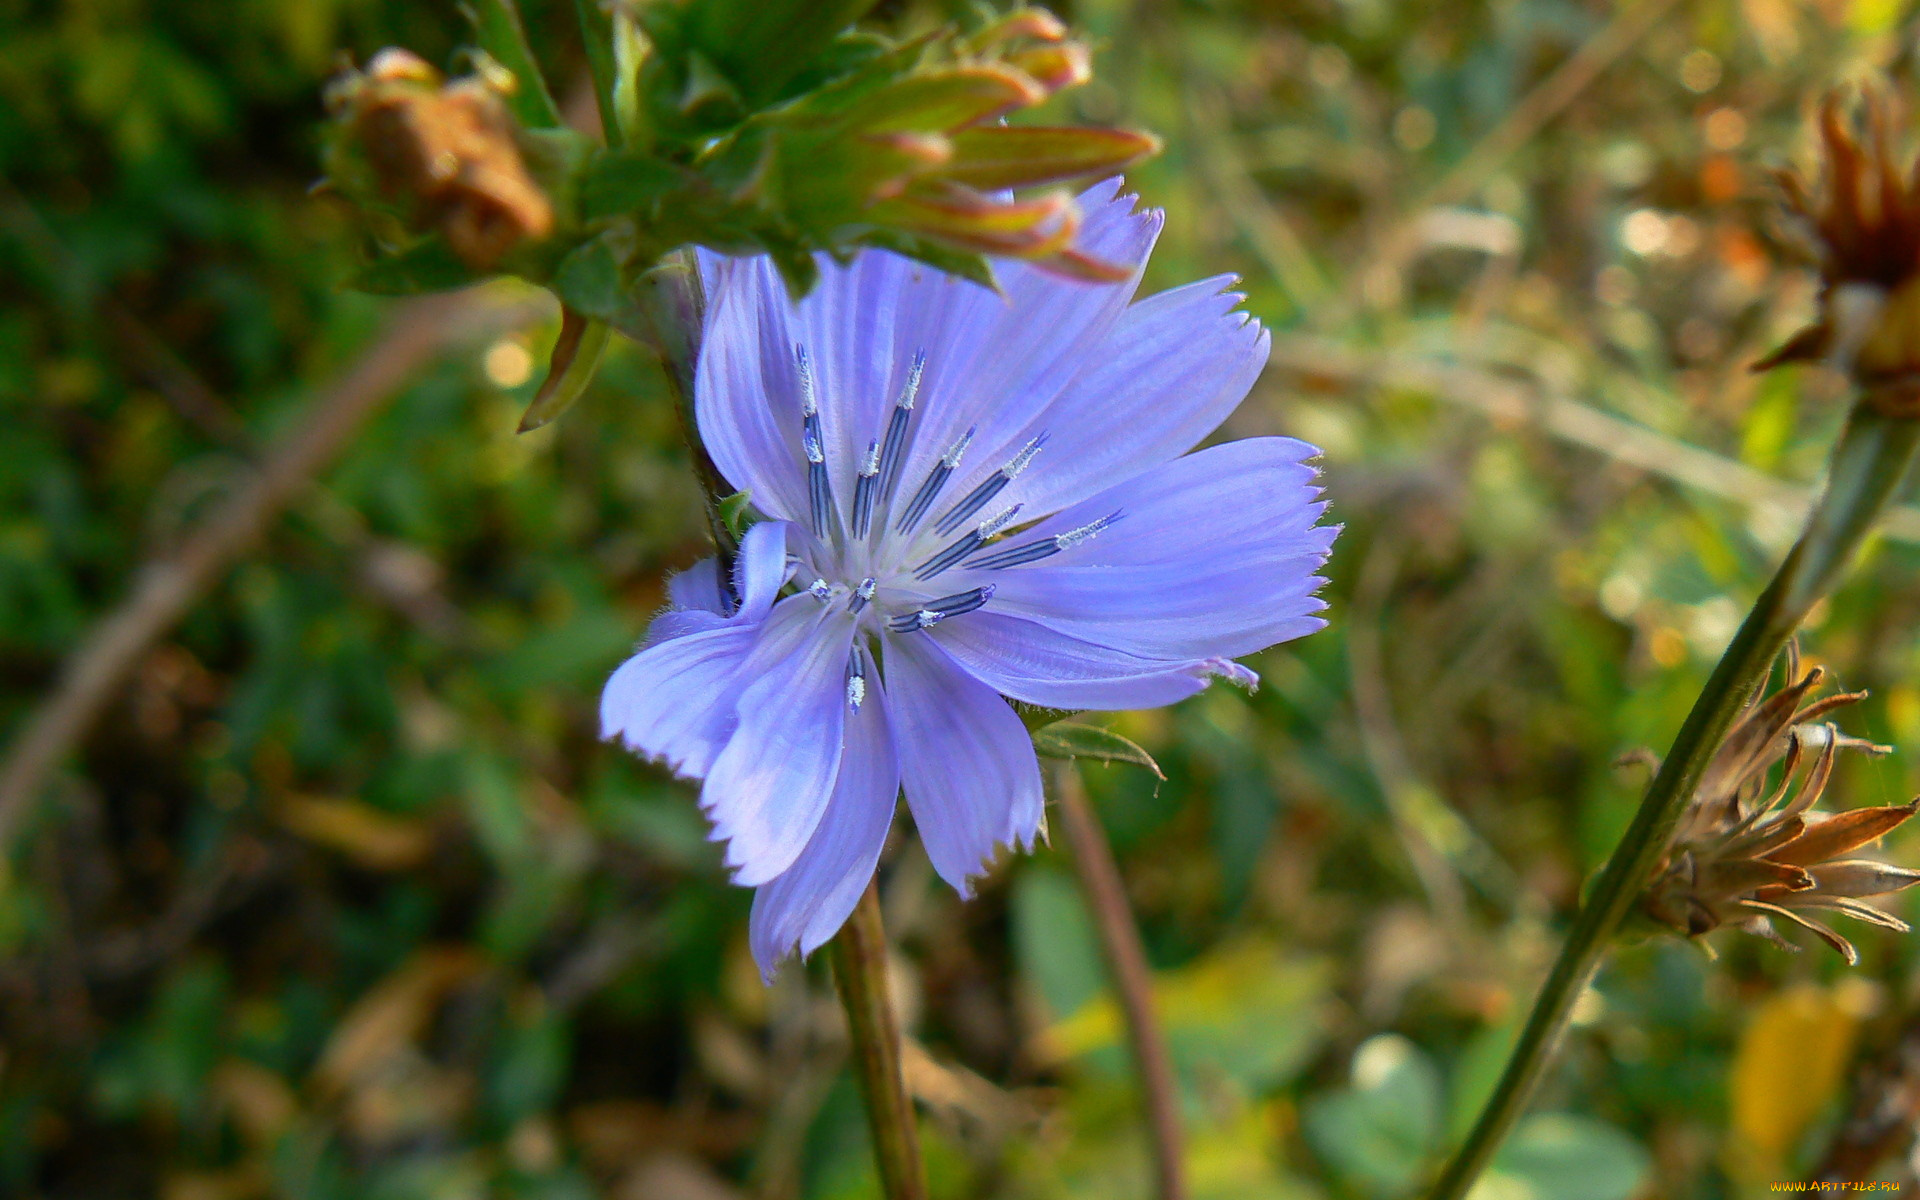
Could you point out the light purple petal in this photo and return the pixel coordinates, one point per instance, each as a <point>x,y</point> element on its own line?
<point>1031,662</point>
<point>755,443</point>
<point>971,777</point>
<point>698,587</point>
<point>674,700</point>
<point>759,570</point>
<point>1031,346</point>
<point>809,901</point>
<point>1214,555</point>
<point>1169,372</point>
<point>991,360</point>
<point>767,789</point>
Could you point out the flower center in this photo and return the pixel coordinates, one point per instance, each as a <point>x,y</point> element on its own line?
<point>881,561</point>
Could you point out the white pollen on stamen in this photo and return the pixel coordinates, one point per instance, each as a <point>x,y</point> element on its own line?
<point>820,590</point>
<point>951,458</point>
<point>996,523</point>
<point>814,453</point>
<point>1073,537</point>
<point>867,588</point>
<point>911,392</point>
<point>856,692</point>
<point>1025,456</point>
<point>809,403</point>
<point>871,466</point>
<point>929,616</point>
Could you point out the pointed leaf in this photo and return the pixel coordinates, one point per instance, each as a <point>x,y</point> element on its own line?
<point>576,356</point>
<point>497,24</point>
<point>596,32</point>
<point>733,513</point>
<point>1071,739</point>
<point>1840,833</point>
<point>938,101</point>
<point>1862,877</point>
<point>1011,156</point>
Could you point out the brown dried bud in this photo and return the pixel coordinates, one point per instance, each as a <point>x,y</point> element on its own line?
<point>1746,856</point>
<point>446,152</point>
<point>1862,217</point>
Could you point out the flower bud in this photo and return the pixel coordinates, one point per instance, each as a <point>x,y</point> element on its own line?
<point>1861,214</point>
<point>1747,856</point>
<point>438,156</point>
<point>909,151</point>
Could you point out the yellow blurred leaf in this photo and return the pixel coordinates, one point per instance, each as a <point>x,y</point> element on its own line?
<point>1246,1011</point>
<point>244,1183</point>
<point>391,1015</point>
<point>1787,1068</point>
<point>373,839</point>
<point>1874,16</point>
<point>260,1103</point>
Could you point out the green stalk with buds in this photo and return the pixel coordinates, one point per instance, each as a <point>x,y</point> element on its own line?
<point>1769,861</point>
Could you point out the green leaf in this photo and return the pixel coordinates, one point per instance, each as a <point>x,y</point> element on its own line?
<point>430,266</point>
<point>733,512</point>
<point>1053,940</point>
<point>760,45</point>
<point>1071,739</point>
<point>1010,156</point>
<point>596,33</point>
<point>619,182</point>
<point>1381,1132</point>
<point>576,356</point>
<point>588,281</point>
<point>1555,1156</point>
<point>497,23</point>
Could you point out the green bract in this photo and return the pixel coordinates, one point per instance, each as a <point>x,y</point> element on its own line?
<point>742,127</point>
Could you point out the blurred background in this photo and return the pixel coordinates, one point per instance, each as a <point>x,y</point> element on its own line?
<point>340,896</point>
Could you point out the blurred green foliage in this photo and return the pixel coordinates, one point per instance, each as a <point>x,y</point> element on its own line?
<point>344,899</point>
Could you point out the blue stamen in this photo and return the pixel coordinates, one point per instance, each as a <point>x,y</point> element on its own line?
<point>935,481</point>
<point>819,488</point>
<point>989,488</point>
<point>1043,548</point>
<point>863,490</point>
<point>863,594</point>
<point>935,611</point>
<point>893,455</point>
<point>966,545</point>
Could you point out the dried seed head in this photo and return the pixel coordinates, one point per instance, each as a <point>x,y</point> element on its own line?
<point>1862,215</point>
<point>1747,855</point>
<point>445,152</point>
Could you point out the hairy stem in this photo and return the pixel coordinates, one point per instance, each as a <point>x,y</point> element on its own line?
<point>1127,963</point>
<point>860,969</point>
<point>1868,464</point>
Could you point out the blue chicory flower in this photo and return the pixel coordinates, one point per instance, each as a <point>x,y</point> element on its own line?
<point>969,496</point>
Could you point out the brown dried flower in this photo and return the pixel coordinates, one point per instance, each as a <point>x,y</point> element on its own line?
<point>1746,855</point>
<point>445,152</point>
<point>1862,216</point>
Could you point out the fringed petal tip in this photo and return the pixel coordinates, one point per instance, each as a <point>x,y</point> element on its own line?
<point>1242,677</point>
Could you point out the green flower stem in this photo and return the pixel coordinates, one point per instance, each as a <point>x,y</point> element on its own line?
<point>1869,462</point>
<point>859,953</point>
